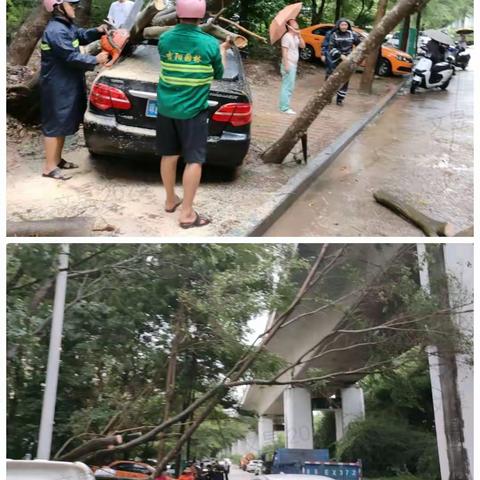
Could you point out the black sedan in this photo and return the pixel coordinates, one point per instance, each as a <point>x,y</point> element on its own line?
<point>122,109</point>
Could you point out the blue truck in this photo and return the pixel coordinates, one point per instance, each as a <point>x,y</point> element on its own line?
<point>337,470</point>
<point>291,460</point>
<point>314,462</point>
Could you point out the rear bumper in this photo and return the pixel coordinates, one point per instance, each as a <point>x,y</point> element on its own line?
<point>104,136</point>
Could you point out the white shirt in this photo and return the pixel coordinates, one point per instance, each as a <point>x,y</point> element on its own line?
<point>119,11</point>
<point>292,43</point>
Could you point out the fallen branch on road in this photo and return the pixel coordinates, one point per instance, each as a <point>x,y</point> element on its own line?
<point>429,226</point>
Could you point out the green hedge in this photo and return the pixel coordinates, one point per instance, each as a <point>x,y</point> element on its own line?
<point>389,447</point>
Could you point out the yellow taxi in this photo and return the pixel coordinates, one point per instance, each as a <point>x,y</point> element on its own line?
<point>391,62</point>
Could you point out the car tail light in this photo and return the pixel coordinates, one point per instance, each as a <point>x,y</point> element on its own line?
<point>104,97</point>
<point>237,114</point>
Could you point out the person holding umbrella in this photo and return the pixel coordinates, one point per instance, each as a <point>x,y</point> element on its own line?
<point>285,27</point>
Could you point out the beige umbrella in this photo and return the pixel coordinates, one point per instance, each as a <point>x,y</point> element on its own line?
<point>278,26</point>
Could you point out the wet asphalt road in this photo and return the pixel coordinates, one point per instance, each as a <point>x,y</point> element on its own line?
<point>420,148</point>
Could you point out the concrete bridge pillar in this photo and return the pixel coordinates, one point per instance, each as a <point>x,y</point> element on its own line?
<point>265,432</point>
<point>297,404</point>
<point>339,424</point>
<point>448,271</point>
<point>353,406</point>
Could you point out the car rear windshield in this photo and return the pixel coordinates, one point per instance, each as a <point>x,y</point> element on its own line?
<point>231,70</point>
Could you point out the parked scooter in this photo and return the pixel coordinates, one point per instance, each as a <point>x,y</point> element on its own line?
<point>458,56</point>
<point>428,75</point>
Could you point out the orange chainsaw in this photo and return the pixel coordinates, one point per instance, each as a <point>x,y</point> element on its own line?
<point>114,41</point>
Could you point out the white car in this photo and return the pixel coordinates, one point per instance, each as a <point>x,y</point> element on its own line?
<point>47,470</point>
<point>104,472</point>
<point>255,466</point>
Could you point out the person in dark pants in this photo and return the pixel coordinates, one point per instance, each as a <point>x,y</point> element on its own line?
<point>343,39</point>
<point>190,60</point>
<point>436,51</point>
<point>62,81</point>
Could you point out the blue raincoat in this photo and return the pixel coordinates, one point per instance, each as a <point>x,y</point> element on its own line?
<point>62,76</point>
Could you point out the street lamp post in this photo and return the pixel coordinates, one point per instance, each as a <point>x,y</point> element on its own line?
<point>53,365</point>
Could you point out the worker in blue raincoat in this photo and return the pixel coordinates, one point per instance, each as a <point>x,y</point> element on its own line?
<point>62,81</point>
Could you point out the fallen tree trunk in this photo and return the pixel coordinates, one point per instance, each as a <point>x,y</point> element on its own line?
<point>23,43</point>
<point>468,232</point>
<point>167,17</point>
<point>95,444</point>
<point>23,98</point>
<point>242,29</point>
<point>429,226</point>
<point>144,19</point>
<point>282,147</point>
<point>55,227</point>
<point>240,41</point>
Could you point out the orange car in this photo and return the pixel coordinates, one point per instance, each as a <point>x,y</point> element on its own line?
<point>392,60</point>
<point>131,470</point>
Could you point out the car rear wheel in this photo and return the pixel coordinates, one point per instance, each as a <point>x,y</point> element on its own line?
<point>384,68</point>
<point>307,53</point>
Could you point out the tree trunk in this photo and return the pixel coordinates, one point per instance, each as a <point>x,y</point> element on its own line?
<point>83,12</point>
<point>244,11</point>
<point>405,33</point>
<point>320,12</point>
<point>314,12</point>
<point>418,27</point>
<point>23,43</point>
<point>359,16</point>
<point>282,147</point>
<point>177,341</point>
<point>371,62</point>
<point>338,9</point>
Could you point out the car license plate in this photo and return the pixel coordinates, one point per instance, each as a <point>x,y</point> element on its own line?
<point>151,109</point>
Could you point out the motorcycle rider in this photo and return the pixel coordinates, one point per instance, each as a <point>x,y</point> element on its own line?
<point>436,51</point>
<point>343,39</point>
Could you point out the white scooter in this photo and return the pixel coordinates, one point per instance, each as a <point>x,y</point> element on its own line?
<point>427,76</point>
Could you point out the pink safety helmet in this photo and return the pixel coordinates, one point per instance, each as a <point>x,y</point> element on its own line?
<point>49,4</point>
<point>191,8</point>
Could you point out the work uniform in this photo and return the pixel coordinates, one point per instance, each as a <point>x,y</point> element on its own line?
<point>190,60</point>
<point>62,76</point>
<point>344,43</point>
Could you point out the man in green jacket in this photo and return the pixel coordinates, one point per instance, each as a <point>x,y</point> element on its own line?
<point>190,60</point>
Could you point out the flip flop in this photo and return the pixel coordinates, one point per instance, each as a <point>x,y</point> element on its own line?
<point>199,221</point>
<point>171,210</point>
<point>56,174</point>
<point>66,165</point>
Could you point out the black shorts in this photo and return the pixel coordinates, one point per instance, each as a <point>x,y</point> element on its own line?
<point>187,138</point>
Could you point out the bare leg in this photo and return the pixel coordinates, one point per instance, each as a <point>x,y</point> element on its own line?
<point>61,143</point>
<point>168,172</point>
<point>53,153</point>
<point>191,180</point>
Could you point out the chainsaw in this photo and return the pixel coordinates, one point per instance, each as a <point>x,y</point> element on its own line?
<point>114,41</point>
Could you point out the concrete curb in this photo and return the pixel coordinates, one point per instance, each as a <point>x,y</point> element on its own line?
<point>302,180</point>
